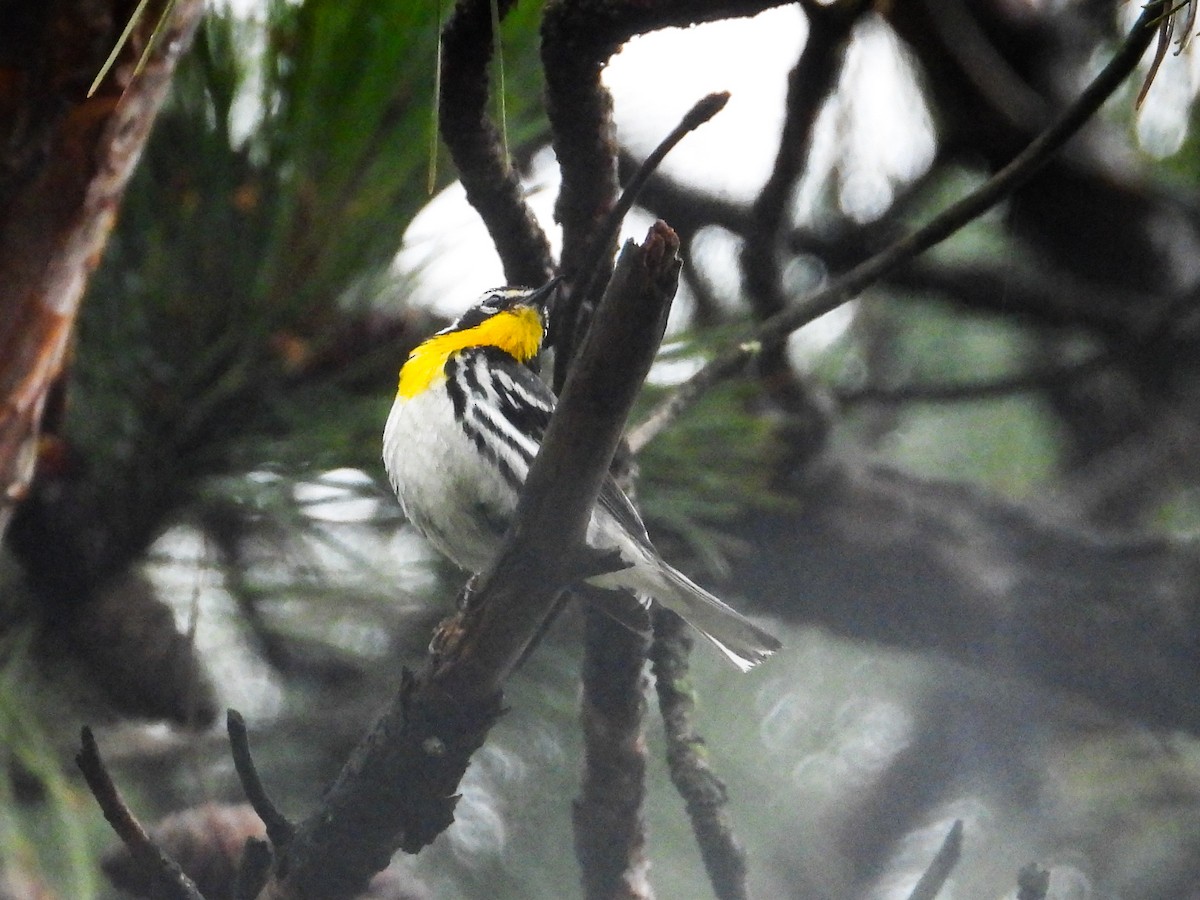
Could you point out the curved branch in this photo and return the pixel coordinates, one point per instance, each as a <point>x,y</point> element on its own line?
<point>279,829</point>
<point>168,879</point>
<point>847,286</point>
<point>490,181</point>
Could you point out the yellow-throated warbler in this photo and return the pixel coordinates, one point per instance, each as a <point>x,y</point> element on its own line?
<point>468,419</point>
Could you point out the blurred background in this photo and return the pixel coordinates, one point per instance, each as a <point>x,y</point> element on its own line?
<point>966,500</point>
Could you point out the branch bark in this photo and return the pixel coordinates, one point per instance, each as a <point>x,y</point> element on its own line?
<point>609,817</point>
<point>164,877</point>
<point>61,202</point>
<point>811,80</point>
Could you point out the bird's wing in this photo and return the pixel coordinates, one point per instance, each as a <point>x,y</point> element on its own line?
<point>528,403</point>
<point>523,398</point>
<point>613,501</point>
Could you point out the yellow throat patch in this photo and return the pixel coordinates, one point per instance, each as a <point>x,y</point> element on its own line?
<point>518,332</point>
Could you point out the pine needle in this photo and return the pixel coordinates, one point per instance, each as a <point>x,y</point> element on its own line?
<point>435,123</point>
<point>121,42</point>
<point>124,39</point>
<point>498,58</point>
<point>158,29</point>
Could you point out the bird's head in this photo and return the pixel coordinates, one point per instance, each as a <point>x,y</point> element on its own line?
<point>510,319</point>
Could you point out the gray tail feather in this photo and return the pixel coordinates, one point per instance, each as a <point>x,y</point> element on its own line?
<point>743,643</point>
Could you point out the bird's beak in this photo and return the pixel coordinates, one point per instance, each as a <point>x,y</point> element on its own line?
<point>543,297</point>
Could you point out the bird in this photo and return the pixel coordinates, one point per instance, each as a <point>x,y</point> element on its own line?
<point>468,418</point>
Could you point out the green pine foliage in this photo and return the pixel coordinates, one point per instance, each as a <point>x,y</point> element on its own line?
<point>258,236</point>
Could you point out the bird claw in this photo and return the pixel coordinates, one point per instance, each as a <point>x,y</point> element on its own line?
<point>466,597</point>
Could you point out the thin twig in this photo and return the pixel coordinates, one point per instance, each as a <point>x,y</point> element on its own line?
<point>840,290</point>
<point>280,831</point>
<point>169,880</point>
<point>702,790</point>
<point>942,865</point>
<point>592,281</point>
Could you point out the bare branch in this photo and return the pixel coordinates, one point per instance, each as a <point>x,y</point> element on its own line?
<point>608,817</point>
<point>841,289</point>
<point>279,830</point>
<point>578,38</point>
<point>943,863</point>
<point>168,879</point>
<point>591,281</point>
<point>490,181</point>
<point>811,80</point>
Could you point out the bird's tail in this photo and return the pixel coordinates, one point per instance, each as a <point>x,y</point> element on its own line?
<point>742,642</point>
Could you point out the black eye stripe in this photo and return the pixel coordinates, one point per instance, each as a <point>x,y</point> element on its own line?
<point>492,303</point>
<point>473,317</point>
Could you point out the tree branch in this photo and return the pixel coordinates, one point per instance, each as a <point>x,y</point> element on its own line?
<point>847,286</point>
<point>591,281</point>
<point>279,830</point>
<point>398,788</point>
<point>167,879</point>
<point>809,83</point>
<point>702,790</point>
<point>940,867</point>
<point>491,183</point>
<point>56,217</point>
<point>608,818</point>
<point>578,38</point>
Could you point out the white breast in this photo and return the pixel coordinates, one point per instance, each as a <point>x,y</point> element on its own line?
<point>450,492</point>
